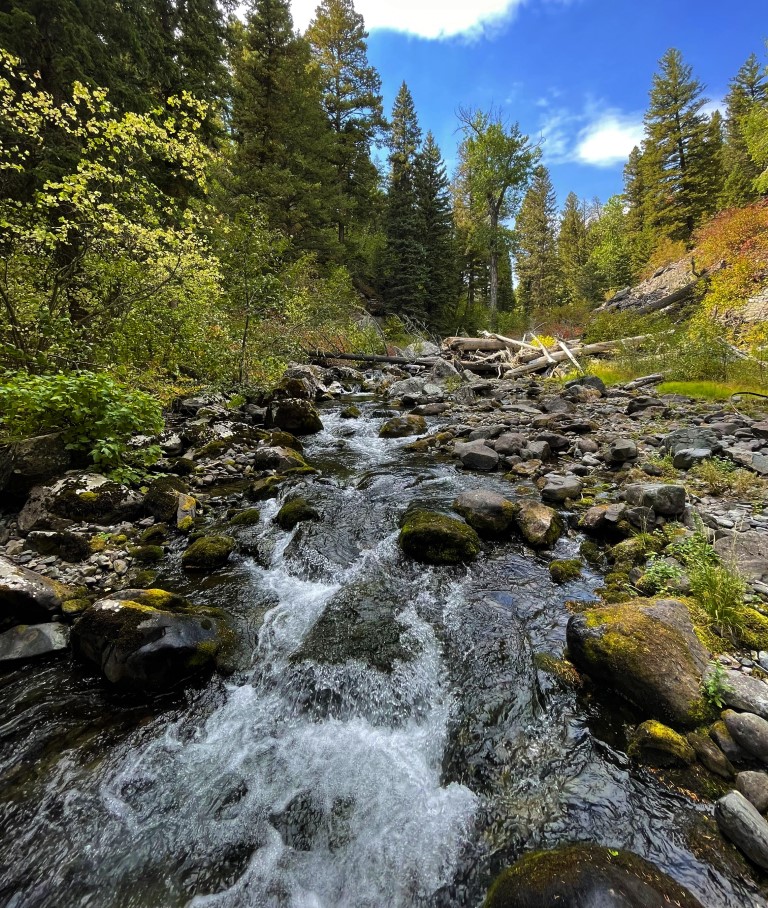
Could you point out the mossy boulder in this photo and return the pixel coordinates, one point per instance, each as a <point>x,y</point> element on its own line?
<point>139,645</point>
<point>659,745</point>
<point>538,524</point>
<point>490,514</point>
<point>403,426</point>
<point>247,518</point>
<point>278,458</point>
<point>208,553</point>
<point>299,417</point>
<point>295,511</point>
<point>154,535</point>
<point>279,439</point>
<point>586,876</point>
<point>351,412</point>
<point>162,498</point>
<point>435,538</point>
<point>87,497</point>
<point>29,598</point>
<point>646,651</point>
<point>64,544</point>
<point>564,570</point>
<point>265,488</point>
<point>146,554</point>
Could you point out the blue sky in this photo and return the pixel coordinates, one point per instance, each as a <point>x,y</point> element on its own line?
<point>574,73</point>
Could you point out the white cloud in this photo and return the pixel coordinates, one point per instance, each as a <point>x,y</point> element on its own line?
<point>424,18</point>
<point>608,140</point>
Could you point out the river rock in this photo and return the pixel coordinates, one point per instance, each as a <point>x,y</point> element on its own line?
<point>558,488</point>
<point>586,876</point>
<point>646,651</point>
<point>620,451</point>
<point>138,645</point>
<point>278,458</point>
<point>403,426</point>
<point>411,389</point>
<point>658,745</point>
<point>359,624</point>
<point>508,444</point>
<point>435,538</point>
<point>749,731</point>
<point>487,512</point>
<point>162,498</point>
<point>32,461</point>
<point>87,497</point>
<point>664,499</point>
<point>710,755</point>
<point>208,553</point>
<point>538,524</point>
<point>686,458</point>
<point>476,455</point>
<point>754,787</point>
<point>745,693</point>
<point>27,597</point>
<point>694,437</point>
<point>719,733</point>
<point>64,544</point>
<point>748,550</point>
<point>294,512</point>
<point>740,822</point>
<point>30,641</point>
<point>299,417</point>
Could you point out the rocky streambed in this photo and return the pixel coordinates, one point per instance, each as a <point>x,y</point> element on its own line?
<point>387,639</point>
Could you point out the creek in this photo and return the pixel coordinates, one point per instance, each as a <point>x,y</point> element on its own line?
<point>385,739</point>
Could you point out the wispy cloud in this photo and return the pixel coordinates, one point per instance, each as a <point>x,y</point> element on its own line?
<point>423,18</point>
<point>597,135</point>
<point>609,140</point>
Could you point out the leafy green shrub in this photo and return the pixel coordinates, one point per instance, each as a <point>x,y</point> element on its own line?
<point>95,414</point>
<point>721,476</point>
<point>715,686</point>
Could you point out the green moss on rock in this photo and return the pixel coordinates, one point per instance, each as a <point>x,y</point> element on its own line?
<point>208,553</point>
<point>561,571</point>
<point>265,488</point>
<point>658,745</point>
<point>146,554</point>
<point>247,518</point>
<point>435,538</point>
<point>402,426</point>
<point>296,511</point>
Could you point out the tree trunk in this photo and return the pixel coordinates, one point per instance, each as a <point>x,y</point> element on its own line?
<point>493,288</point>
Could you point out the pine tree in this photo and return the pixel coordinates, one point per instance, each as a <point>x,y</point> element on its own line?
<point>436,217</point>
<point>282,137</point>
<point>405,250</point>
<point>748,89</point>
<point>678,156</point>
<point>351,90</point>
<point>538,267</point>
<point>573,251</point>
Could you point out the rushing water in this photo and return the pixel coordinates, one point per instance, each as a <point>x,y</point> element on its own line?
<point>306,781</point>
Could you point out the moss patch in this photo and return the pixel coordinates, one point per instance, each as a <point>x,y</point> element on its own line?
<point>435,538</point>
<point>247,518</point>
<point>565,570</point>
<point>208,553</point>
<point>296,511</point>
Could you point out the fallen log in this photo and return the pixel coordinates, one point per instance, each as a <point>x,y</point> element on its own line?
<point>654,379</point>
<point>537,365</point>
<point>472,344</point>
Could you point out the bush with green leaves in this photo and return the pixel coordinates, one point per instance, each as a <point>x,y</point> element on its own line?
<point>95,414</point>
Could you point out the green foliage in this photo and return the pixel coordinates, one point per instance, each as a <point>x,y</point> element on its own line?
<point>538,265</point>
<point>721,476</point>
<point>715,687</point>
<point>660,576</point>
<point>95,414</point>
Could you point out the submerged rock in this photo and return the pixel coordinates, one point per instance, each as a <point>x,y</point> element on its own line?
<point>646,651</point>
<point>487,512</point>
<point>208,553</point>
<point>435,538</point>
<point>139,642</point>
<point>586,876</point>
<point>30,641</point>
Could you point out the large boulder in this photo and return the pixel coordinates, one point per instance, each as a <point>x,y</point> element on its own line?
<point>692,437</point>
<point>402,426</point>
<point>137,644</point>
<point>658,745</point>
<point>88,497</point>
<point>294,512</point>
<point>487,512</point>
<point>538,524</point>
<point>298,417</point>
<point>740,822</point>
<point>476,455</point>
<point>559,488</point>
<point>664,499</point>
<point>646,651</point>
<point>749,731</point>
<point>435,538</point>
<point>279,459</point>
<point>208,553</point>
<point>27,597</point>
<point>162,498</point>
<point>31,641</point>
<point>32,461</point>
<point>748,550</point>
<point>586,876</point>
<point>754,787</point>
<point>63,544</point>
<point>408,390</point>
<point>745,693</point>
